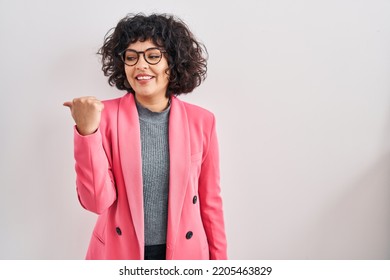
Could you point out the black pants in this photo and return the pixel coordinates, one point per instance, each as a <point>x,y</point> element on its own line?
<point>155,252</point>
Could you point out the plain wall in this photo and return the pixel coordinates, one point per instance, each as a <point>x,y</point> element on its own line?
<point>301,93</point>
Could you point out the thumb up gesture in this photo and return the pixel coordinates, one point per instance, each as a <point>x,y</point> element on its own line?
<point>86,112</point>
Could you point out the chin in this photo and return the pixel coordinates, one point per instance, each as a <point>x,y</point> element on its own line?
<point>144,93</point>
<point>148,93</point>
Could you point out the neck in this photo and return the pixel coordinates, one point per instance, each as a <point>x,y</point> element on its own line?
<point>153,104</point>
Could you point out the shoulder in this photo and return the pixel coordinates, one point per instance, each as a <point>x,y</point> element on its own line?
<point>110,111</point>
<point>111,106</point>
<point>112,103</point>
<point>195,112</point>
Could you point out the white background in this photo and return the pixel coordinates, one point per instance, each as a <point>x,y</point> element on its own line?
<point>301,92</point>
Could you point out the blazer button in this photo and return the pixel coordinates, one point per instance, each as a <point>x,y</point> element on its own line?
<point>195,199</point>
<point>118,231</point>
<point>189,235</point>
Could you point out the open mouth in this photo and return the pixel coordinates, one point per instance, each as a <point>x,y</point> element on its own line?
<point>143,78</point>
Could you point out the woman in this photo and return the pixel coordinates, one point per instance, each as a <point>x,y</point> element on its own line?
<point>147,162</point>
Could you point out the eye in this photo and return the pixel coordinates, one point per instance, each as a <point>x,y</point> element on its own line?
<point>154,55</point>
<point>130,58</point>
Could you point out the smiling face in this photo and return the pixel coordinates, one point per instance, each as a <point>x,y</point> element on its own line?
<point>149,82</point>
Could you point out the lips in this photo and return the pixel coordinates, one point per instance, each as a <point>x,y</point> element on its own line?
<point>143,77</point>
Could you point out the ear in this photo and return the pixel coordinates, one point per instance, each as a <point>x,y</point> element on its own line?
<point>168,72</point>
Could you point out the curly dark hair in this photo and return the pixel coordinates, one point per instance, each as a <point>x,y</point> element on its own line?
<point>187,58</point>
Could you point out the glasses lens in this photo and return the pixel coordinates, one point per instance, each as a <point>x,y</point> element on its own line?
<point>130,57</point>
<point>153,56</point>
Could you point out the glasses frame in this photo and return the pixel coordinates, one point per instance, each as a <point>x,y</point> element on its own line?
<point>121,55</point>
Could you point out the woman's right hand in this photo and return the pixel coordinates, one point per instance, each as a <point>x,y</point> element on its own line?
<point>86,112</point>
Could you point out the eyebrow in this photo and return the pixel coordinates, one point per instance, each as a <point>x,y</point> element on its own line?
<point>128,49</point>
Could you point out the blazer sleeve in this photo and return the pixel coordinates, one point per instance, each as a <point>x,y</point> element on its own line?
<point>94,180</point>
<point>211,201</point>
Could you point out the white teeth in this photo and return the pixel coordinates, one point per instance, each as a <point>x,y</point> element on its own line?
<point>144,77</point>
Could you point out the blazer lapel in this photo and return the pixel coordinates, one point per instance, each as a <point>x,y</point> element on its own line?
<point>130,157</point>
<point>180,159</point>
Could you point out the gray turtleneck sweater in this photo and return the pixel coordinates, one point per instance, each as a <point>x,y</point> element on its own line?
<point>155,173</point>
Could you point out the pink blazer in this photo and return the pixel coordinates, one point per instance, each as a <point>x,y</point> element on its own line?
<point>109,183</point>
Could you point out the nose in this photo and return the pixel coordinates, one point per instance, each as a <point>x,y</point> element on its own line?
<point>141,63</point>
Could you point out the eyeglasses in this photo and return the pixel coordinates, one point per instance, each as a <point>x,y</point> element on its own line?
<point>152,56</point>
